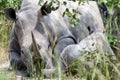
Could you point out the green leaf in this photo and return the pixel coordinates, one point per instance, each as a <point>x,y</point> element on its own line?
<point>69,14</point>
<point>74,22</point>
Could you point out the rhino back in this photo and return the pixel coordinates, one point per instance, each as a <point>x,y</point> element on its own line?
<point>57,25</point>
<point>90,19</point>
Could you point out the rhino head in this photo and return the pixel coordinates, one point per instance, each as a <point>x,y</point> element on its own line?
<point>27,27</point>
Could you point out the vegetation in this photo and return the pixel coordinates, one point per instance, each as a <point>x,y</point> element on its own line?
<point>102,69</point>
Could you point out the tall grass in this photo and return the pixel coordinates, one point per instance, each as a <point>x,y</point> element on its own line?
<point>4,38</point>
<point>99,67</point>
<point>4,41</point>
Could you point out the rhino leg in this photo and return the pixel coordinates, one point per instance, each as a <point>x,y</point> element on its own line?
<point>50,69</point>
<point>69,54</point>
<point>61,44</point>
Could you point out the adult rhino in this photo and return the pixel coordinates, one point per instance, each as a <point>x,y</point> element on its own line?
<point>28,28</point>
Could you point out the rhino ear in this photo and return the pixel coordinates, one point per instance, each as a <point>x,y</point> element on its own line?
<point>46,8</point>
<point>10,13</point>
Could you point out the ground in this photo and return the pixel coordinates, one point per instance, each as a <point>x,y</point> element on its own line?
<point>5,72</point>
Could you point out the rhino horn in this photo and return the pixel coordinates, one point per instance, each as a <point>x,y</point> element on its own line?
<point>36,47</point>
